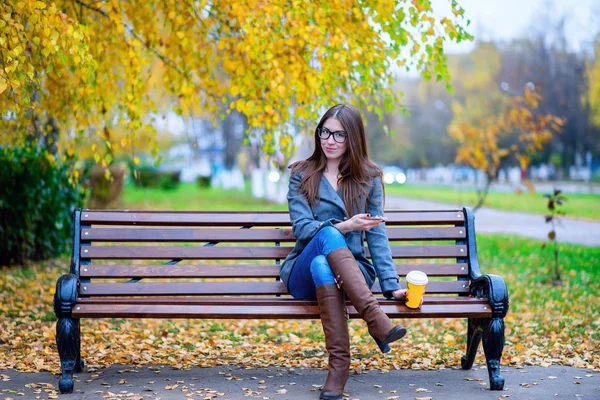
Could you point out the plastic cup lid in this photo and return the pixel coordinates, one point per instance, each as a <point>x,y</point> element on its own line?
<point>417,278</point>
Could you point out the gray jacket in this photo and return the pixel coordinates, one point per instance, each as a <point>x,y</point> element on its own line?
<point>307,221</point>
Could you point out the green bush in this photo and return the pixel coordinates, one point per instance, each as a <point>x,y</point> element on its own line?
<point>36,205</point>
<point>146,176</point>
<point>203,181</point>
<point>169,180</point>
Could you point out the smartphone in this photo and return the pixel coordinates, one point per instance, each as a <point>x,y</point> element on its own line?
<point>377,217</point>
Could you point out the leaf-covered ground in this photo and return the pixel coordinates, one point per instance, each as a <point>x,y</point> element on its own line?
<point>546,324</point>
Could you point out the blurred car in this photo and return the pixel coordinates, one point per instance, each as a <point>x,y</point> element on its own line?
<point>393,175</point>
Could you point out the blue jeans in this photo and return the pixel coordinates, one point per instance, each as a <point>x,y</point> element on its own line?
<point>311,268</point>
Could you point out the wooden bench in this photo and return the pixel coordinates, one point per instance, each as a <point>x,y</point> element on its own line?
<point>132,246</point>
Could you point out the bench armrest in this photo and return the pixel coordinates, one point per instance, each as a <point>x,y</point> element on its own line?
<point>493,288</point>
<point>65,297</point>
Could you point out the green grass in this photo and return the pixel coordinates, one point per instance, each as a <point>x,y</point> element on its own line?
<point>189,196</point>
<point>553,317</point>
<point>524,260</point>
<point>585,206</point>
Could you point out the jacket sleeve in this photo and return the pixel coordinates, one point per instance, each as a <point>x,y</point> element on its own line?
<point>304,224</point>
<point>379,245</point>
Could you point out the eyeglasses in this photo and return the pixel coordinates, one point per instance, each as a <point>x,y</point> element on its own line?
<point>338,136</point>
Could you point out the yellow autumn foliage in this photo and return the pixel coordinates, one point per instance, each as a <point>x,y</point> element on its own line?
<point>517,129</point>
<point>95,66</point>
<point>593,72</point>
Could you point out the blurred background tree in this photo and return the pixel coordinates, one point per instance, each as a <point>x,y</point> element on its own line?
<point>593,99</point>
<point>482,79</point>
<point>492,135</point>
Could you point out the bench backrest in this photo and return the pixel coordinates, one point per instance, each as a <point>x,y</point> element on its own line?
<point>214,253</point>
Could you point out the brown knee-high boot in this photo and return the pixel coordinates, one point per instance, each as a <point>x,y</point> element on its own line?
<point>337,340</point>
<point>352,281</point>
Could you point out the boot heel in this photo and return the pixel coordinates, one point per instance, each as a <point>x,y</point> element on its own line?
<point>384,347</point>
<point>331,396</point>
<point>396,334</point>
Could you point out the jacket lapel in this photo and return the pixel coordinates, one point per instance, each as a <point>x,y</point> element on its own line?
<point>327,193</point>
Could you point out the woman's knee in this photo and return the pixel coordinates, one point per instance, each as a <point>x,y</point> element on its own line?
<point>321,271</point>
<point>332,232</point>
<point>331,238</point>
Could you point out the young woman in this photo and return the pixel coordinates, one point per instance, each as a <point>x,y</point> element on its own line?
<point>333,196</point>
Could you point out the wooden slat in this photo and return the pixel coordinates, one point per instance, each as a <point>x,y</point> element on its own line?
<point>185,252</point>
<point>427,233</point>
<point>267,312</point>
<point>250,218</point>
<point>261,300</point>
<point>187,235</point>
<point>237,270</point>
<point>181,271</point>
<point>427,251</point>
<point>186,218</point>
<point>225,288</point>
<point>437,287</point>
<point>245,252</point>
<point>457,269</point>
<point>181,288</point>
<point>248,235</point>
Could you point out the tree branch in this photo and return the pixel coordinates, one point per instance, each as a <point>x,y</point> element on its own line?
<point>90,7</point>
<point>170,63</point>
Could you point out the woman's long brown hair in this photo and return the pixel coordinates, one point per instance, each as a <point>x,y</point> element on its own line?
<point>356,169</point>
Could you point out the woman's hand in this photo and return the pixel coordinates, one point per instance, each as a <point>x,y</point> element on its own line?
<point>400,294</point>
<point>359,222</point>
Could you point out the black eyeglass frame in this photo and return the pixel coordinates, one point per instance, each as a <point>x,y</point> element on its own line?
<point>322,129</point>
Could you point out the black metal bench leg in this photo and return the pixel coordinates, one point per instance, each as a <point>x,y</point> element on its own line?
<point>493,288</point>
<point>493,344</point>
<point>68,342</point>
<point>68,335</point>
<point>79,364</point>
<point>474,332</point>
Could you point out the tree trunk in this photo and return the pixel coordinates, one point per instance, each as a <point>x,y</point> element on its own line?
<point>482,193</point>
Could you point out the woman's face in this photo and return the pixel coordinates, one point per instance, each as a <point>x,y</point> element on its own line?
<point>333,149</point>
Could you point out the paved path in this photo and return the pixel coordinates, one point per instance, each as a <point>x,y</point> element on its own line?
<point>232,382</point>
<point>567,187</point>
<point>488,220</point>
